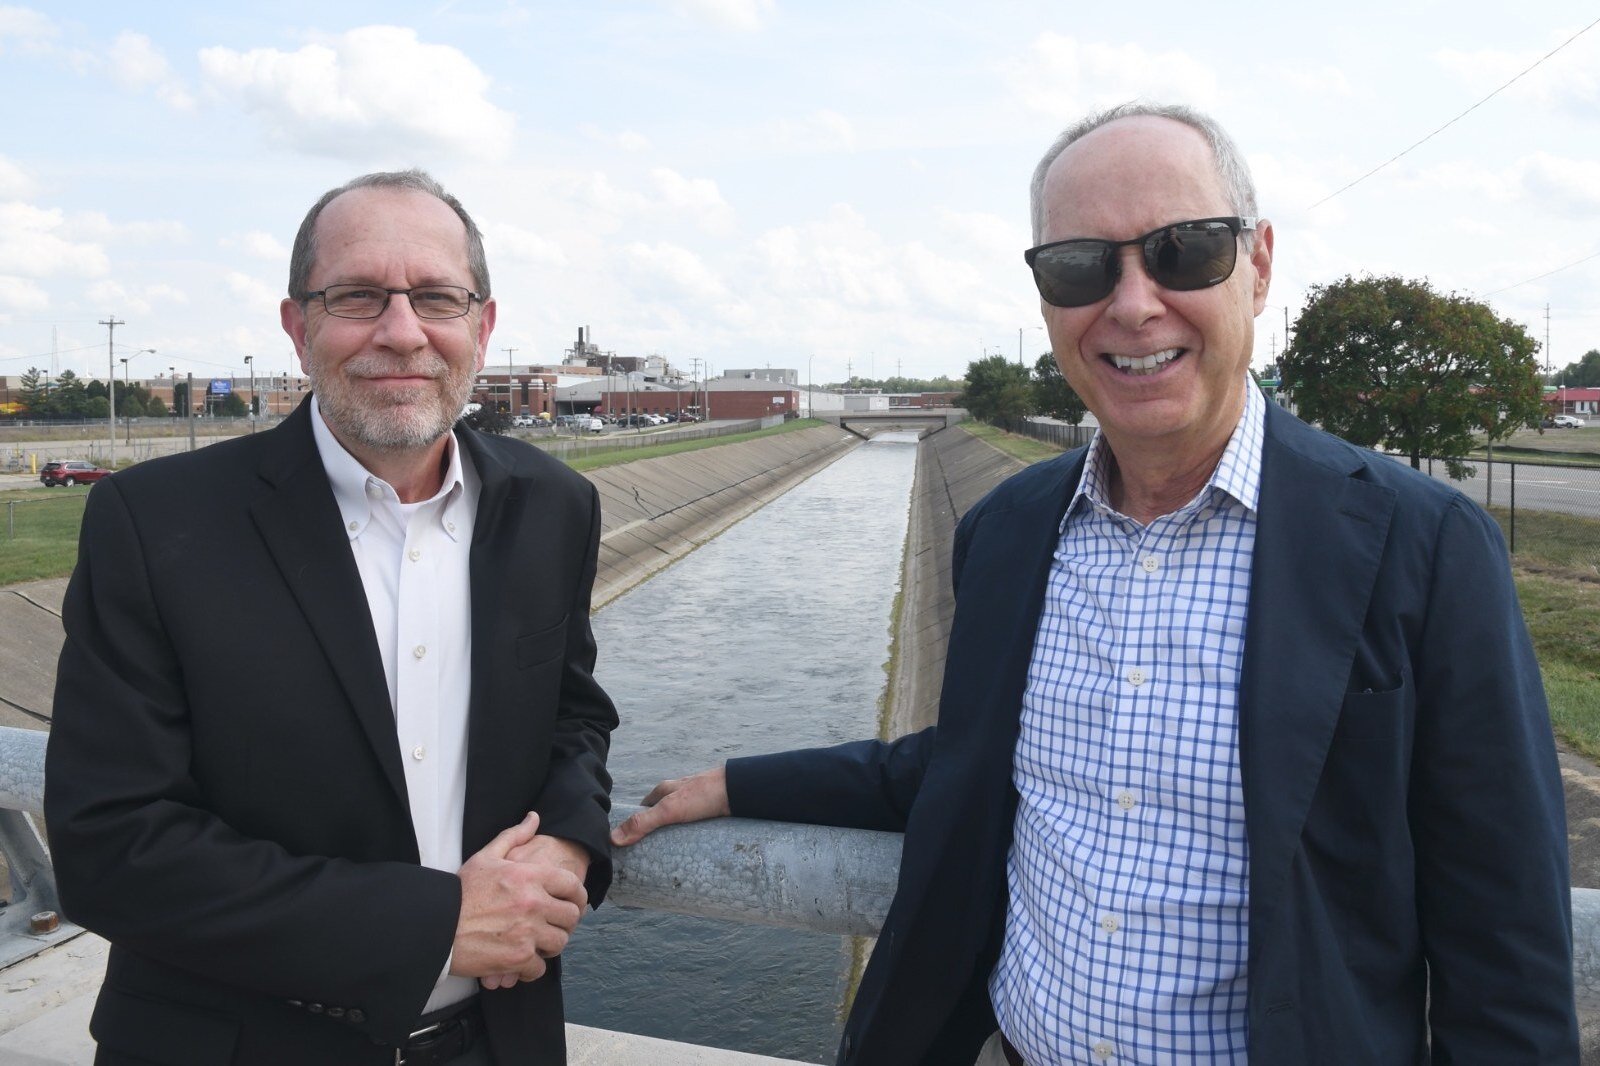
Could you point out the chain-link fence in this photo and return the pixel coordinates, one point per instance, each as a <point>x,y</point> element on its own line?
<point>1058,433</point>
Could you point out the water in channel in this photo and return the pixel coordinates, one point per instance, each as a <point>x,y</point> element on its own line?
<point>772,636</point>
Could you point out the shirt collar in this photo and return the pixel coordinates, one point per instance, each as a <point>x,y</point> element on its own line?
<point>1238,472</point>
<point>356,489</point>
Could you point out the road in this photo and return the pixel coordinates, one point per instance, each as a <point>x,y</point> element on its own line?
<point>1565,489</point>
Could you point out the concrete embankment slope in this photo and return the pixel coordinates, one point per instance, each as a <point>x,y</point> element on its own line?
<point>655,511</point>
<point>954,471</point>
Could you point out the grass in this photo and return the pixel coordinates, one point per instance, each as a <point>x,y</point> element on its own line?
<point>39,532</point>
<point>1013,444</point>
<point>592,461</point>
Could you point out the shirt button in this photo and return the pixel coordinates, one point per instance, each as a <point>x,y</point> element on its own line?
<point>451,526</point>
<point>1109,924</point>
<point>373,491</point>
<point>419,753</point>
<point>354,526</point>
<point>1136,677</point>
<point>1151,564</point>
<point>414,554</point>
<point>419,651</point>
<point>1125,800</point>
<point>1103,1050</point>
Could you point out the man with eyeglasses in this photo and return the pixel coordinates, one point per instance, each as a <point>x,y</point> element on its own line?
<point>327,765</point>
<point>1242,751</point>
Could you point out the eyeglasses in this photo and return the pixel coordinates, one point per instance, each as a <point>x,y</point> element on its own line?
<point>1182,257</point>
<point>370,301</point>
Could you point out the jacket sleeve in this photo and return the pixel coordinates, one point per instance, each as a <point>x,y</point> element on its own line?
<point>1488,814</point>
<point>141,860</point>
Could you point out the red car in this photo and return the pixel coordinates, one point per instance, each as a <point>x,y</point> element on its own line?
<point>71,472</point>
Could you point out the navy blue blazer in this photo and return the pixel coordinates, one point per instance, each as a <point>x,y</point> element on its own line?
<point>1408,862</point>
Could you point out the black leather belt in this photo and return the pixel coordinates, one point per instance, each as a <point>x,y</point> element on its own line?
<point>447,1034</point>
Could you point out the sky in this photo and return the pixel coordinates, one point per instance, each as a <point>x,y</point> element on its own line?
<point>823,186</point>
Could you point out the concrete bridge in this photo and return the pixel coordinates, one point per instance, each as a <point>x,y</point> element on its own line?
<point>920,420</point>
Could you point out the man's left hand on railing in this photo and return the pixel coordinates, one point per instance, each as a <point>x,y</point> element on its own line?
<point>682,799</point>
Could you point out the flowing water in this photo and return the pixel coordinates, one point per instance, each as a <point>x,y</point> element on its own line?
<point>772,636</point>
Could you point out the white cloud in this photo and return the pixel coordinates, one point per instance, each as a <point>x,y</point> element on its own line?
<point>136,63</point>
<point>1322,81</point>
<point>254,291</point>
<point>696,197</point>
<point>666,271</point>
<point>1062,77</point>
<point>93,225</point>
<point>22,294</point>
<point>31,245</point>
<point>743,15</point>
<point>24,24</point>
<point>506,241</point>
<point>822,131</point>
<point>134,300</point>
<point>14,184</point>
<point>258,244</point>
<point>374,91</point>
<point>1565,185</point>
<point>626,140</point>
<point>1567,80</point>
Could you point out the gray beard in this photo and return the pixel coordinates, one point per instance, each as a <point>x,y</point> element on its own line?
<point>396,427</point>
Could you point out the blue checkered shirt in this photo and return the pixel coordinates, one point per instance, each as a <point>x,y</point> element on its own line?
<point>1127,929</point>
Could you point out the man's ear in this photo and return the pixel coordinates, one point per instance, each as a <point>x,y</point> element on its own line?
<point>486,317</point>
<point>1261,259</point>
<point>292,316</point>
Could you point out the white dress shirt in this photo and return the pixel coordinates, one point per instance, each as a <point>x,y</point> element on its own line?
<point>414,564</point>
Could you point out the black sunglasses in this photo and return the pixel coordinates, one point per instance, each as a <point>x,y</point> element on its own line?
<point>1181,256</point>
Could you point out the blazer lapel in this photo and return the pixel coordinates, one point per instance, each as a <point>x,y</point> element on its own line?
<point>302,528</point>
<point>1320,537</point>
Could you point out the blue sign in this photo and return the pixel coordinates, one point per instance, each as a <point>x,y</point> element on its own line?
<point>220,387</point>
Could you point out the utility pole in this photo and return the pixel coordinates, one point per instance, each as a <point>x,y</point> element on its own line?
<point>509,352</point>
<point>111,322</point>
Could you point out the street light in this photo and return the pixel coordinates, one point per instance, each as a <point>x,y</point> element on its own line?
<point>1020,331</point>
<point>127,420</point>
<point>249,363</point>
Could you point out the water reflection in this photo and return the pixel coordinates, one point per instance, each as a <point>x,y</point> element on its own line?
<point>772,636</point>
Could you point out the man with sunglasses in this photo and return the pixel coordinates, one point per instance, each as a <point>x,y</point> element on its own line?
<point>327,765</point>
<point>1242,752</point>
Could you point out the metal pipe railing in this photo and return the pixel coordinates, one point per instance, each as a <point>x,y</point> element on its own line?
<point>774,873</point>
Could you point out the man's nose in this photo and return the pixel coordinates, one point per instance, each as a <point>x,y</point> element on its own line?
<point>1136,298</point>
<point>399,324</point>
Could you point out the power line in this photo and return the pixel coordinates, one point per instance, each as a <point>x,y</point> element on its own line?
<point>1546,274</point>
<point>1458,118</point>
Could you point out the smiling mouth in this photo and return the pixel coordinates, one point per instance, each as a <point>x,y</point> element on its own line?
<point>1143,365</point>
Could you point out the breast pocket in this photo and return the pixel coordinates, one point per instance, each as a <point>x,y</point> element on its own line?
<point>536,649</point>
<point>1374,714</point>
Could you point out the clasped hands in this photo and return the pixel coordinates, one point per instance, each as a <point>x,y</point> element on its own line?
<point>521,898</point>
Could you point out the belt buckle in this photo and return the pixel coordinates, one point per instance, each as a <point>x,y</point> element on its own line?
<point>429,1030</point>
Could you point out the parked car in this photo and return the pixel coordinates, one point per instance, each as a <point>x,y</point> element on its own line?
<point>596,426</point>
<point>522,421</point>
<point>70,472</point>
<point>1568,422</point>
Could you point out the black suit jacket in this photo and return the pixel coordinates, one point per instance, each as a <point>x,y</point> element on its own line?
<point>224,791</point>
<point>1403,807</point>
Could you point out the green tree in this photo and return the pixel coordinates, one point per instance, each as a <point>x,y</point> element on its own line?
<point>1584,374</point>
<point>155,407</point>
<point>97,408</point>
<point>1052,395</point>
<point>1389,361</point>
<point>35,396</point>
<point>231,406</point>
<point>488,419</point>
<point>997,391</point>
<point>180,398</point>
<point>69,397</point>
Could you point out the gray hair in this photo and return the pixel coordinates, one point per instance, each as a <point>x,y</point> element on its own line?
<point>304,254</point>
<point>1233,171</point>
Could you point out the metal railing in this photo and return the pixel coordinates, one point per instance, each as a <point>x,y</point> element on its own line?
<point>774,873</point>
<point>1058,433</point>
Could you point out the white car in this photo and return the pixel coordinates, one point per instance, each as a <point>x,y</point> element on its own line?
<point>522,421</point>
<point>1568,422</point>
<point>596,426</point>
